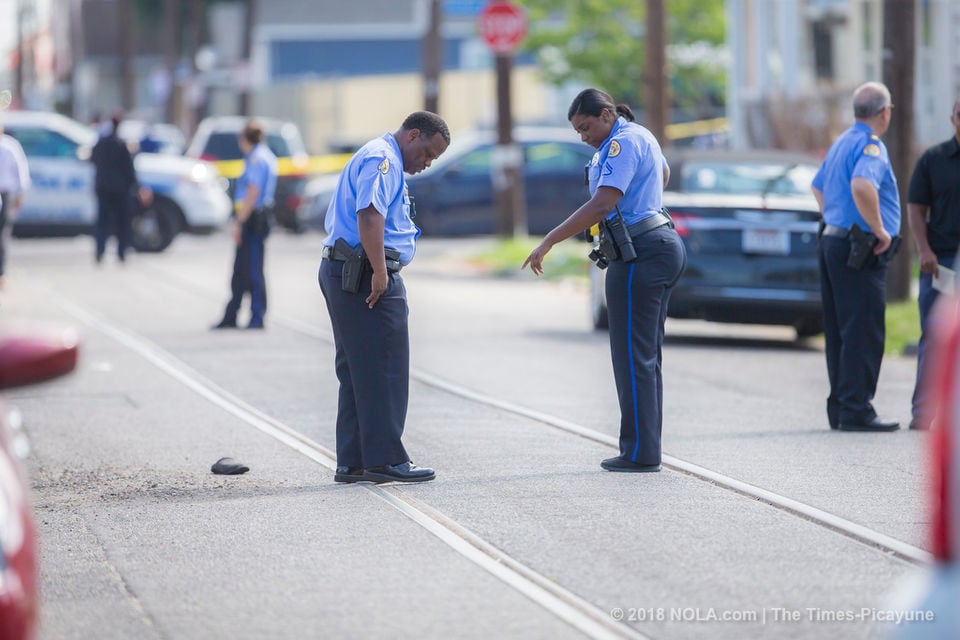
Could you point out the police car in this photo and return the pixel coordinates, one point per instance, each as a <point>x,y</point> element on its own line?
<point>189,195</point>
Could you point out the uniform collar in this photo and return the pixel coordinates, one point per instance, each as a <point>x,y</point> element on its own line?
<point>621,121</point>
<point>863,126</point>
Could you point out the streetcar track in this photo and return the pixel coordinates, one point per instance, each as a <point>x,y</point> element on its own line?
<point>810,513</point>
<point>560,602</point>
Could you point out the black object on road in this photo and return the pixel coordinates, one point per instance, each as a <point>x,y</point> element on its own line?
<point>229,467</point>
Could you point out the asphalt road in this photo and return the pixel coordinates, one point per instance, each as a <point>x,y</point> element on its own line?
<point>522,535</point>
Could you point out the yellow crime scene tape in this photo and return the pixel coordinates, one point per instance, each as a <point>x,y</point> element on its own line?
<point>334,162</point>
<point>311,165</point>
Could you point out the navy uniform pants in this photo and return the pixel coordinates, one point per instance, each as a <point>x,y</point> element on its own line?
<point>114,217</point>
<point>248,277</point>
<point>373,367</point>
<point>925,301</point>
<point>637,297</point>
<point>854,329</point>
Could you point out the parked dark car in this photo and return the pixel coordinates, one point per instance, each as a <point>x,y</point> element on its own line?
<point>455,196</point>
<point>749,223</point>
<point>216,140</point>
<point>25,358</point>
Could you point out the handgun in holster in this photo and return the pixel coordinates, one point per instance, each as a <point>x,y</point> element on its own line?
<point>885,257</point>
<point>354,263</point>
<point>615,240</point>
<point>861,248</point>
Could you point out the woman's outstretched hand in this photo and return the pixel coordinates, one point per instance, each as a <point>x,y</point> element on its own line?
<point>535,259</point>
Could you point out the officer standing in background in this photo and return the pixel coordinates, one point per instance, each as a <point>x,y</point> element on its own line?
<point>115,184</point>
<point>626,178</point>
<point>860,204</point>
<point>253,203</point>
<point>933,210</point>
<point>370,236</point>
<point>14,181</point>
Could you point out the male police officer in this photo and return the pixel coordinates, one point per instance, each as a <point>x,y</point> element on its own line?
<point>857,193</point>
<point>370,236</point>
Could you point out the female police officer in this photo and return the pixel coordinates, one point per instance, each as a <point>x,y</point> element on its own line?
<point>646,257</point>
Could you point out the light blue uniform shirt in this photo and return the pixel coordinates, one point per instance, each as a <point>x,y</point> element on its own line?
<point>374,175</point>
<point>260,169</point>
<point>630,160</point>
<point>858,152</point>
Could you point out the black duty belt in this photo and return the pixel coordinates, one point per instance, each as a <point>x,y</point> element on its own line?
<point>655,221</point>
<point>392,257</point>
<point>834,231</point>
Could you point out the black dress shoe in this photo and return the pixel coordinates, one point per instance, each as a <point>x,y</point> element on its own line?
<point>403,472</point>
<point>919,425</point>
<point>874,424</point>
<point>348,474</point>
<point>622,465</point>
<point>225,324</point>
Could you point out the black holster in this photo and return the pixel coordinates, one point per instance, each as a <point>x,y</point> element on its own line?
<point>861,249</point>
<point>259,221</point>
<point>354,263</point>
<point>615,240</point>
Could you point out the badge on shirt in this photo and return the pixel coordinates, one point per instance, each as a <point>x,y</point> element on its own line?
<point>384,166</point>
<point>871,150</point>
<point>614,149</point>
<point>595,159</point>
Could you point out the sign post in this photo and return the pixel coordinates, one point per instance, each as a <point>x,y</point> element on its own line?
<point>503,26</point>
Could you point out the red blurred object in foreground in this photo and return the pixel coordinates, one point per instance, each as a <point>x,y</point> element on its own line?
<point>26,358</point>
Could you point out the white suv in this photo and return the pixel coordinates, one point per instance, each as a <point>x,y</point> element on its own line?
<point>189,194</point>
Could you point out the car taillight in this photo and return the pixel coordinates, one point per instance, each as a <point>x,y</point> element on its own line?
<point>681,222</point>
<point>208,157</point>
<point>944,378</point>
<point>293,202</point>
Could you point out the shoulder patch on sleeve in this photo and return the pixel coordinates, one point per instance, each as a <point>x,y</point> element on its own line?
<point>384,166</point>
<point>871,150</point>
<point>614,149</point>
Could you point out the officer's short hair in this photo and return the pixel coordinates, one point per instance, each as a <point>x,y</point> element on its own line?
<point>252,132</point>
<point>429,124</point>
<point>869,99</point>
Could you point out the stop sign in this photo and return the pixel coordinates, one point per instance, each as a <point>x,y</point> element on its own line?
<point>502,25</point>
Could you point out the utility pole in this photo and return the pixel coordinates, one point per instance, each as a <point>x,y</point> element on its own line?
<point>508,159</point>
<point>431,61</point>
<point>171,56</point>
<point>899,54</point>
<point>21,54</point>
<point>656,90</point>
<point>125,28</point>
<point>249,19</point>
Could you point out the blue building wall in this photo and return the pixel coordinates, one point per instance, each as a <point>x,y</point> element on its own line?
<point>291,58</point>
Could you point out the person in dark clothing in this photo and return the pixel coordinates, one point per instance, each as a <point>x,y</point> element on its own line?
<point>933,210</point>
<point>115,184</point>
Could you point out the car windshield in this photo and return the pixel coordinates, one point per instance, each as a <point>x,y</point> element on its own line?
<point>224,146</point>
<point>771,178</point>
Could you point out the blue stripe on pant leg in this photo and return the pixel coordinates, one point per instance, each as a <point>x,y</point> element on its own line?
<point>633,373</point>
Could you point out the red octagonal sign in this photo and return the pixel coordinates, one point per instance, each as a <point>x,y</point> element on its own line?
<point>502,25</point>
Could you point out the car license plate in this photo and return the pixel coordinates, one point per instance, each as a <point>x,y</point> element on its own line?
<point>767,241</point>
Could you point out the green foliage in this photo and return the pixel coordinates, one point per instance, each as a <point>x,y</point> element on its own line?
<point>601,43</point>
<point>903,326</point>
<point>504,258</point>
